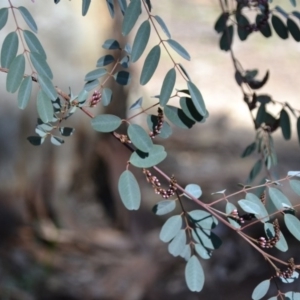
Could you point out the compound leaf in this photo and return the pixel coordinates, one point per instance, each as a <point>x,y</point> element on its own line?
<point>150,64</point>
<point>194,275</point>
<point>129,190</point>
<point>141,40</point>
<point>106,123</point>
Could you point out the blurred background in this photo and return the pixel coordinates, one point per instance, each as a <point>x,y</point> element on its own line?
<point>64,233</point>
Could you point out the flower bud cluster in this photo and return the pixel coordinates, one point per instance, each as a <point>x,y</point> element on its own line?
<point>96,98</point>
<point>270,243</point>
<point>159,125</point>
<point>289,271</point>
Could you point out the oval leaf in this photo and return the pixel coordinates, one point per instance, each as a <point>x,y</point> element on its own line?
<point>139,137</point>
<point>47,86</point>
<point>141,40</point>
<point>164,207</point>
<point>44,107</point>
<point>261,290</point>
<point>105,60</point>
<point>9,49</point>
<point>85,6</point>
<point>295,185</point>
<point>150,64</point>
<point>178,117</point>
<point>293,29</point>
<point>194,190</point>
<point>270,232</point>
<point>197,98</point>
<point>3,17</point>
<point>129,191</point>
<point>106,123</point>
<point>163,26</point>
<point>249,206</point>
<point>293,225</point>
<point>285,124</point>
<point>131,15</point>
<point>279,200</point>
<point>179,49</point>
<point>178,243</point>
<point>171,227</point>
<point>167,87</point>
<point>15,74</point>
<point>40,64</point>
<point>95,74</point>
<point>33,43</point>
<point>279,27</point>
<point>111,44</point>
<point>122,77</point>
<point>24,92</point>
<point>106,96</point>
<point>189,109</point>
<point>194,275</point>
<point>28,18</point>
<point>263,215</point>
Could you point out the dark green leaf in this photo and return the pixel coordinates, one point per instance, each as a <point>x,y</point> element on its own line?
<point>165,131</point>
<point>36,140</point>
<point>105,60</point>
<point>24,92</point>
<point>171,227</point>
<point>197,98</point>
<point>264,27</point>
<point>179,49</point>
<point>285,124</point>
<point>137,104</point>
<point>148,2</point>
<point>47,86</point>
<point>111,44</point>
<point>111,8</point>
<point>9,49</point>
<point>106,96</point>
<point>184,72</point>
<point>66,131</point>
<point>95,74</point>
<point>131,15</point>
<point>255,171</point>
<point>163,26</point>
<point>85,6</point>
<point>15,73</point>
<point>44,107</point>
<point>3,17</point>
<point>164,207</point>
<point>279,27</point>
<point>141,40</point>
<point>220,25</point>
<point>106,123</point>
<point>177,245</point>
<point>189,109</point>
<point>293,29</point>
<point>146,160</point>
<point>129,191</point>
<point>226,38</point>
<point>139,137</point>
<point>33,43</point>
<point>260,116</point>
<point>167,87</point>
<point>125,61</point>
<point>194,275</point>
<point>150,64</point>
<point>261,290</point>
<point>293,225</point>
<point>298,128</point>
<point>264,99</point>
<point>122,77</point>
<point>293,2</point>
<point>178,117</point>
<point>249,150</point>
<point>123,5</point>
<point>40,64</point>
<point>243,24</point>
<point>28,18</point>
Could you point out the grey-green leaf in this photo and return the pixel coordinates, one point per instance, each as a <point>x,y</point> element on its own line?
<point>90,85</point>
<point>163,26</point>
<point>141,40</point>
<point>106,123</point>
<point>255,171</point>
<point>204,219</point>
<point>33,43</point>
<point>171,227</point>
<point>194,190</point>
<point>40,64</point>
<point>179,49</point>
<point>129,191</point>
<point>28,18</point>
<point>263,214</point>
<point>106,96</point>
<point>105,60</point>
<point>150,64</point>
<point>44,107</point>
<point>146,160</point>
<point>139,137</point>
<point>285,124</point>
<point>122,77</point>
<point>15,74</point>
<point>270,232</point>
<point>197,98</point>
<point>111,44</point>
<point>295,185</point>
<point>9,49</point>
<point>24,92</point>
<point>164,207</point>
<point>85,6</point>
<point>55,140</point>
<point>194,275</point>
<point>279,200</point>
<point>167,87</point>
<point>131,15</point>
<point>3,17</point>
<point>95,74</point>
<point>261,290</point>
<point>178,117</point>
<point>47,86</point>
<point>249,206</point>
<point>178,243</point>
<point>203,252</point>
<point>293,225</point>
